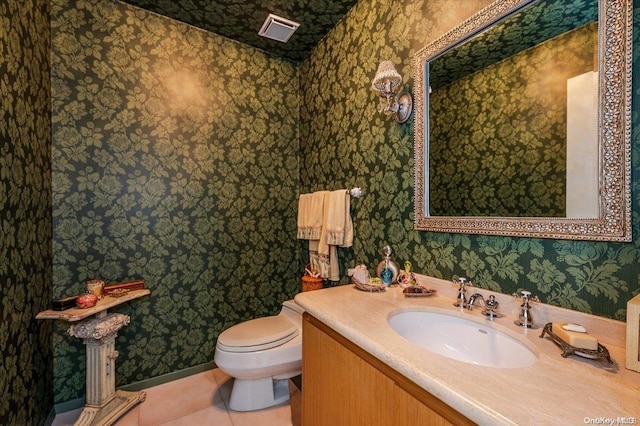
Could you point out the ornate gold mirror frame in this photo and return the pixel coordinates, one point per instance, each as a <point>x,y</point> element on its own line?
<point>614,134</point>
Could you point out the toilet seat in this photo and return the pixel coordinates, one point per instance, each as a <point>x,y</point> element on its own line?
<point>257,334</point>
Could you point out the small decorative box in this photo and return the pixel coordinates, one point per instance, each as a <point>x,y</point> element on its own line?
<point>128,285</point>
<point>119,292</point>
<point>63,304</point>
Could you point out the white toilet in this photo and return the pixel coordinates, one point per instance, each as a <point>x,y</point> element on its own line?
<point>261,354</point>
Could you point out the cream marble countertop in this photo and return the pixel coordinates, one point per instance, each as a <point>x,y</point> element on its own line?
<point>553,391</point>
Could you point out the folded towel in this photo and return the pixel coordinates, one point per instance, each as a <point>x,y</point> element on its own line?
<point>310,214</point>
<point>304,215</point>
<point>337,221</point>
<point>348,223</point>
<point>323,246</point>
<point>334,267</point>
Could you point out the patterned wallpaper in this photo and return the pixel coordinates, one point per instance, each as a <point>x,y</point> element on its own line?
<point>482,161</point>
<point>26,382</point>
<point>345,141</point>
<point>175,161</point>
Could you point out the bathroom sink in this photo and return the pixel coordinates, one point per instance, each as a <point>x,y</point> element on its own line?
<point>462,339</point>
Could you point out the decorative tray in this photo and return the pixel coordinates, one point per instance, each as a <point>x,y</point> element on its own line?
<point>418,291</point>
<point>567,349</point>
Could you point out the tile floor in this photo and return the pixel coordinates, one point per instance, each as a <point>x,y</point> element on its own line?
<point>200,399</point>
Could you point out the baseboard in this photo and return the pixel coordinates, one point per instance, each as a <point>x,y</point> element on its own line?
<point>74,404</point>
<point>169,377</point>
<point>70,405</point>
<point>51,417</point>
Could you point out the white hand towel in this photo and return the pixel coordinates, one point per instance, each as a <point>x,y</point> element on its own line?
<point>317,213</point>
<point>310,215</point>
<point>304,213</point>
<point>348,223</point>
<point>339,228</point>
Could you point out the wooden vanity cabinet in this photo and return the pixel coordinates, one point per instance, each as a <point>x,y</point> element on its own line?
<point>343,385</point>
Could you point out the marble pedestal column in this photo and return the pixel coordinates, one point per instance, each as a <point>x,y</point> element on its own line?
<point>104,405</point>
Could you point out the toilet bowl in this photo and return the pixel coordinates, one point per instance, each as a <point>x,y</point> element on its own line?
<point>261,354</point>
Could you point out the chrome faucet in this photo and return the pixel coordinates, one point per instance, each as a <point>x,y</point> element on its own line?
<point>472,300</point>
<point>490,306</point>
<point>524,319</point>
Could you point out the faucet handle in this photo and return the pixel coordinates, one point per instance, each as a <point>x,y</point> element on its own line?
<point>461,300</point>
<point>492,303</point>
<point>524,319</point>
<point>526,296</point>
<point>462,282</point>
<point>491,308</point>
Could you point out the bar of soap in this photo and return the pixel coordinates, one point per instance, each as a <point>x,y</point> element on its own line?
<point>574,338</point>
<point>574,327</point>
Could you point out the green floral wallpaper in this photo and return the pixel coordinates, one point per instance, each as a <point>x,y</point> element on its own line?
<point>175,160</point>
<point>493,149</point>
<point>345,141</point>
<point>26,383</point>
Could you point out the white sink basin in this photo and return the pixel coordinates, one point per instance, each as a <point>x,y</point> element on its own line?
<point>462,339</point>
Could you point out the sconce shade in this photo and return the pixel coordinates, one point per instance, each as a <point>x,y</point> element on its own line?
<point>387,78</point>
<point>385,82</point>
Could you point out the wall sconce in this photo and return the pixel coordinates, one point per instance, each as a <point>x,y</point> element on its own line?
<point>386,81</point>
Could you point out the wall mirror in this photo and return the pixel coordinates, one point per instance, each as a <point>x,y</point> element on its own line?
<point>522,124</point>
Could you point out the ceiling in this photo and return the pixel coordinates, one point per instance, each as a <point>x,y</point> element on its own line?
<point>241,20</point>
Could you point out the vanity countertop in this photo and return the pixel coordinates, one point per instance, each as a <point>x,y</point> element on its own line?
<point>555,390</point>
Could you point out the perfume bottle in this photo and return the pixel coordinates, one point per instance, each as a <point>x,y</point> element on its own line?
<point>387,269</point>
<point>386,275</point>
<point>407,278</point>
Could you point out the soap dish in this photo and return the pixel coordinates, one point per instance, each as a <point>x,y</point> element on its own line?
<point>567,349</point>
<point>371,287</point>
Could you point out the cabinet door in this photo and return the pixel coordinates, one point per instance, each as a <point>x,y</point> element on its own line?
<point>344,385</point>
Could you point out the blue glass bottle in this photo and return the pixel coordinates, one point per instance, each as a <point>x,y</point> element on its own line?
<point>386,275</point>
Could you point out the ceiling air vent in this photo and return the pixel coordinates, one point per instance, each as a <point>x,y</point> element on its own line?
<point>278,28</point>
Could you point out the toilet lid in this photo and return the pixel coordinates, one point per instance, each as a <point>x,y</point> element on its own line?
<point>257,334</point>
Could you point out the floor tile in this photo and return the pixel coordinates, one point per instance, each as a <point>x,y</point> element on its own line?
<point>279,415</point>
<point>131,418</point>
<point>200,399</point>
<point>209,416</point>
<point>225,384</point>
<point>178,398</point>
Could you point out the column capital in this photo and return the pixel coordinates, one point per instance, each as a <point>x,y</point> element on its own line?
<point>98,328</point>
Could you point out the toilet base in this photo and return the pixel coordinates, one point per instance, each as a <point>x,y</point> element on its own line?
<point>249,395</point>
